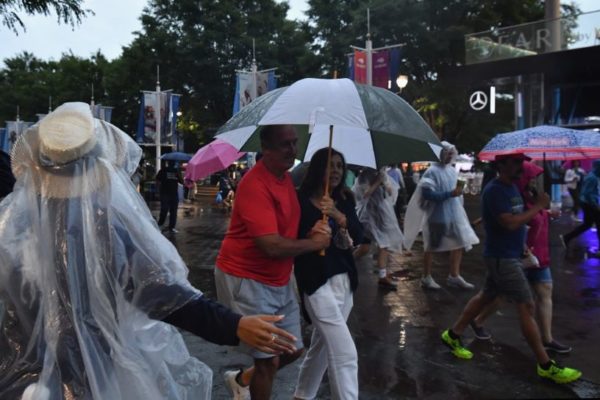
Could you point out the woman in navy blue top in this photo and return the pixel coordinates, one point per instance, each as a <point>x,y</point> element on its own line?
<point>327,282</point>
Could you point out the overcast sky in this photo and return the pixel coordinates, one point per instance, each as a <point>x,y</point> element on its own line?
<point>108,30</point>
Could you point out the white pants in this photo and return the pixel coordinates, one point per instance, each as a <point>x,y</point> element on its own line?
<point>332,347</point>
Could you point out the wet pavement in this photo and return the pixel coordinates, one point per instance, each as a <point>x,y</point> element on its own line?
<point>398,333</point>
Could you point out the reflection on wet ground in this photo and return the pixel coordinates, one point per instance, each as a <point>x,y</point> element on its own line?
<point>397,333</point>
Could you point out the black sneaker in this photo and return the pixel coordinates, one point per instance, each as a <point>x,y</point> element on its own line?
<point>557,347</point>
<point>563,242</point>
<point>480,332</point>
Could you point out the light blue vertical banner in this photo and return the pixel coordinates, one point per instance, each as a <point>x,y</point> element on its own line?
<point>175,100</point>
<point>271,81</point>
<point>107,113</point>
<point>165,117</point>
<point>139,137</point>
<point>236,95</point>
<point>3,140</point>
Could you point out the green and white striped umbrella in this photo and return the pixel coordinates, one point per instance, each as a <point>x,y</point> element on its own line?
<point>372,127</point>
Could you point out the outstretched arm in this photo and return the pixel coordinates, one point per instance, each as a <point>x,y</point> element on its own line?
<point>218,324</point>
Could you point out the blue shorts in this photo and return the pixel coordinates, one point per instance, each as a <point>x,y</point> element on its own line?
<point>538,275</point>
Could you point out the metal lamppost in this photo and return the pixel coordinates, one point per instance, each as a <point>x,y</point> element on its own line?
<point>369,50</point>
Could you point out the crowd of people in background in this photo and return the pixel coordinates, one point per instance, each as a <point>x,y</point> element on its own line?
<point>283,240</point>
<point>318,236</point>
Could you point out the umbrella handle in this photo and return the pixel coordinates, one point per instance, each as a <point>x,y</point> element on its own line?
<point>327,174</point>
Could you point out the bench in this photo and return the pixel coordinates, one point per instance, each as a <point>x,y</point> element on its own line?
<point>206,191</point>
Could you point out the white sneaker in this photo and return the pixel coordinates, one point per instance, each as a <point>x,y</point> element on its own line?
<point>429,283</point>
<point>238,391</point>
<point>459,282</point>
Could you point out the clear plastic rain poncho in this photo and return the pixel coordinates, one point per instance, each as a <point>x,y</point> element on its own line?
<point>376,211</point>
<point>85,277</point>
<point>445,224</point>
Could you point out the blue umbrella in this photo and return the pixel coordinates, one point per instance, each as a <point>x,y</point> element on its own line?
<point>545,143</point>
<point>177,156</point>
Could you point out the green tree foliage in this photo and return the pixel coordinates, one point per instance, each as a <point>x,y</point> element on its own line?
<point>29,82</point>
<point>198,44</point>
<point>335,25</point>
<point>67,11</point>
<point>432,32</point>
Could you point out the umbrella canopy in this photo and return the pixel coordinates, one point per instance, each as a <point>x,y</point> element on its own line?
<point>372,126</point>
<point>545,142</point>
<point>176,156</point>
<point>214,157</point>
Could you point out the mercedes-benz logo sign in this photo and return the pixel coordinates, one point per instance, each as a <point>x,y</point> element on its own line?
<point>478,100</point>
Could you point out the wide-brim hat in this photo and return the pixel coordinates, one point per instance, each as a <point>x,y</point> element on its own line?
<point>70,153</point>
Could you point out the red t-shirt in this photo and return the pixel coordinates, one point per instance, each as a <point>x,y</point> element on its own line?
<point>264,205</point>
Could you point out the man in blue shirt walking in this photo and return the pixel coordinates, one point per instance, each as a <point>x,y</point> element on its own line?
<point>504,219</point>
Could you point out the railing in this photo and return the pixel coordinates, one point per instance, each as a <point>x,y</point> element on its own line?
<point>533,38</point>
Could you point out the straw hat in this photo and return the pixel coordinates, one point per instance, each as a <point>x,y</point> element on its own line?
<point>67,134</point>
<point>69,153</point>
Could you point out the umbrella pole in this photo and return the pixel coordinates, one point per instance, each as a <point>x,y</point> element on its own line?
<point>546,184</point>
<point>327,174</point>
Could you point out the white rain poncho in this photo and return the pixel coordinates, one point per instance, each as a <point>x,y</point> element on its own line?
<point>445,224</point>
<point>85,277</point>
<point>376,211</point>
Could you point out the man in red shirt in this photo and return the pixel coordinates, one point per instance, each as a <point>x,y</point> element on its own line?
<point>256,258</point>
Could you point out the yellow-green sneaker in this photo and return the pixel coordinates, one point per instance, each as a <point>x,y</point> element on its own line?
<point>558,374</point>
<point>456,346</point>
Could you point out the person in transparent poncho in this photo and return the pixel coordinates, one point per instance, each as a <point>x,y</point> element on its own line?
<point>376,195</point>
<point>437,210</point>
<point>86,277</point>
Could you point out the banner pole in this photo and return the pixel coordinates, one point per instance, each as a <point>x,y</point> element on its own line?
<point>157,118</point>
<point>254,72</point>
<point>369,50</point>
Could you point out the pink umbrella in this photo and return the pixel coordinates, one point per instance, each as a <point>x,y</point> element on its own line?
<point>214,157</point>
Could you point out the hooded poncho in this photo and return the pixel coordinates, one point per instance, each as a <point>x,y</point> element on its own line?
<point>441,217</point>
<point>83,269</point>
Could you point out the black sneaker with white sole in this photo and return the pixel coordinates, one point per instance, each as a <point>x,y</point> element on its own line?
<point>480,332</point>
<point>557,347</point>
